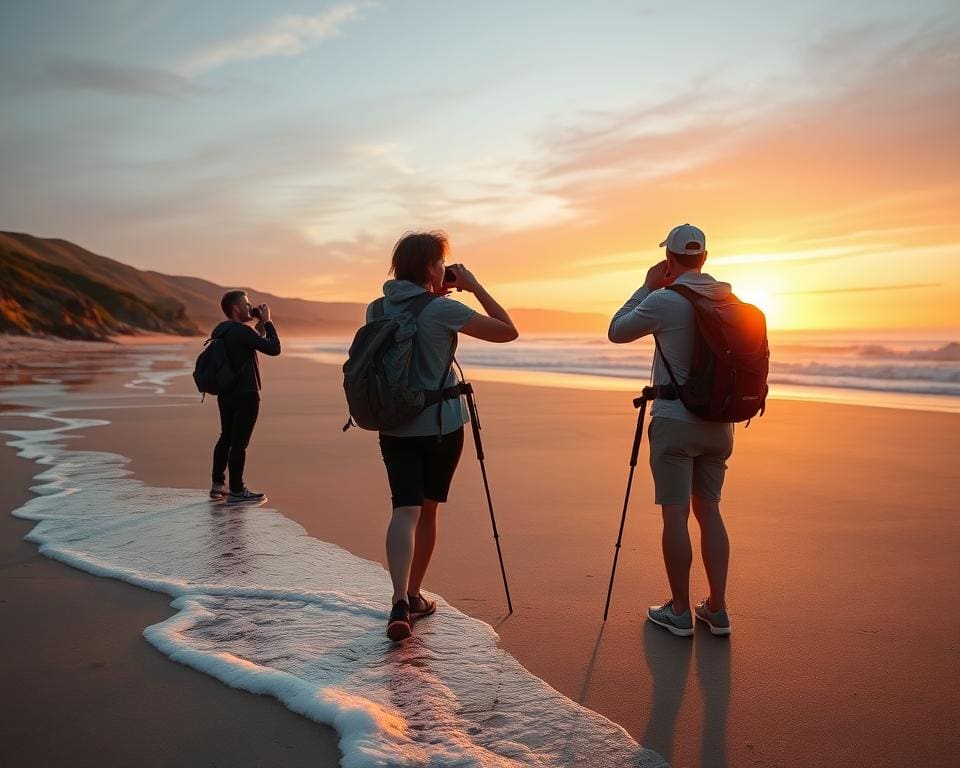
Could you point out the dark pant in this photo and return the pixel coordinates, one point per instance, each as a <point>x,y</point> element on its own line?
<point>420,468</point>
<point>238,415</point>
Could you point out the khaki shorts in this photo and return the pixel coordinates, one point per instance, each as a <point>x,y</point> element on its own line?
<point>688,458</point>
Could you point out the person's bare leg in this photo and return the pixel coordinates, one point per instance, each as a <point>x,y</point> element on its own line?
<point>425,539</point>
<point>715,550</point>
<point>677,553</point>
<point>400,546</point>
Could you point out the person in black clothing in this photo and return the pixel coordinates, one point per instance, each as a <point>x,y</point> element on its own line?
<point>240,406</point>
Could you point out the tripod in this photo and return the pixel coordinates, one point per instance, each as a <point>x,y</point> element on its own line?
<point>648,393</point>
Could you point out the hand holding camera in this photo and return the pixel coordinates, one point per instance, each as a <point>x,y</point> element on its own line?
<point>459,277</point>
<point>261,312</point>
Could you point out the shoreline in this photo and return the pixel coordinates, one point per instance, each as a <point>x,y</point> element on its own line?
<point>76,657</point>
<point>23,352</point>
<point>593,664</point>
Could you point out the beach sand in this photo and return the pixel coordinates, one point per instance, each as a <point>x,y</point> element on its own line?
<point>844,538</point>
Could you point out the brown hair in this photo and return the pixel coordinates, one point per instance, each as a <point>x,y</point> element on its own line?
<point>691,261</point>
<point>229,299</point>
<point>415,252</point>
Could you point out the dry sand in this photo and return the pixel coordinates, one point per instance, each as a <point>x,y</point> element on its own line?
<point>844,568</point>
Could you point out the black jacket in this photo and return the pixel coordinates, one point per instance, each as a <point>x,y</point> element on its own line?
<point>243,343</point>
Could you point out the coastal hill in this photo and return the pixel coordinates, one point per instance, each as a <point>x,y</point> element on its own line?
<point>40,297</point>
<point>199,299</point>
<point>52,286</point>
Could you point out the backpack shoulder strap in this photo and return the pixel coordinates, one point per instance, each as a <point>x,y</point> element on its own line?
<point>377,310</point>
<point>693,296</point>
<point>665,393</point>
<point>686,291</point>
<point>418,303</point>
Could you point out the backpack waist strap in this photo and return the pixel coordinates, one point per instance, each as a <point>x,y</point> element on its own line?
<point>433,396</point>
<point>661,392</point>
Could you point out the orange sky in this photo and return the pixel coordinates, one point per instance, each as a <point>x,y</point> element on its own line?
<point>835,210</point>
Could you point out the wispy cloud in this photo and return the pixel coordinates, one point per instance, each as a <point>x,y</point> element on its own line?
<point>62,72</point>
<point>286,36</point>
<point>860,289</point>
<point>811,254</point>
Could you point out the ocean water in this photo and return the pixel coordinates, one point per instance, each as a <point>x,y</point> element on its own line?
<point>881,369</point>
<point>262,606</point>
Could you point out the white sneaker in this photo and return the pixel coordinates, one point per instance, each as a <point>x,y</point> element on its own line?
<point>679,624</point>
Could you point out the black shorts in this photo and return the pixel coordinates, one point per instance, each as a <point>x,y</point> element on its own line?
<point>420,467</point>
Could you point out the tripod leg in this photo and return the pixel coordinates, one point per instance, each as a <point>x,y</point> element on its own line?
<point>638,436</point>
<point>475,424</point>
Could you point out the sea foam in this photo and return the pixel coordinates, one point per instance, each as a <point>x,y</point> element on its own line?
<point>263,607</point>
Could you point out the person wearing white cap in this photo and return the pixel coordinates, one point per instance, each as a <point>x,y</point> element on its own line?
<point>688,455</point>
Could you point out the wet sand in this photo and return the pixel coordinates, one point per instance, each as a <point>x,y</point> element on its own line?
<point>839,517</point>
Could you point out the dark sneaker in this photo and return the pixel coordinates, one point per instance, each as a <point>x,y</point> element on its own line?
<point>218,492</point>
<point>398,628</point>
<point>246,496</point>
<point>680,624</point>
<point>420,606</point>
<point>718,621</point>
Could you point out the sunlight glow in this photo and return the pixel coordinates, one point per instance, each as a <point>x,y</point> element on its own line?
<point>760,296</point>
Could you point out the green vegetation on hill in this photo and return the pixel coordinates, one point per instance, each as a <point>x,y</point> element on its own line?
<point>39,297</point>
<point>200,297</point>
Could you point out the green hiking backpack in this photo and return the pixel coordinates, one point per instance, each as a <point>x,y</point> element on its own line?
<point>376,376</point>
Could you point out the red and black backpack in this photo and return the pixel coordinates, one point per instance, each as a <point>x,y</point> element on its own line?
<point>730,363</point>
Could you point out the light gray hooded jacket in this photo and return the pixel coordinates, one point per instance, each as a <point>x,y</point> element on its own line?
<point>669,317</point>
<point>437,329</point>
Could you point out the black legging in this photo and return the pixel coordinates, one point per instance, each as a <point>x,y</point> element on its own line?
<point>238,415</point>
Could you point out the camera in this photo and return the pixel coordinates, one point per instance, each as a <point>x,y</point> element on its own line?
<point>449,276</point>
<point>255,312</point>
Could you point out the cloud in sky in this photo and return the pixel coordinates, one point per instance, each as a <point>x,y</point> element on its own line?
<point>861,289</point>
<point>881,151</point>
<point>92,74</point>
<point>285,36</point>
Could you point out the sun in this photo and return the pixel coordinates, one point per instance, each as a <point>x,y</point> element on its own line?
<point>762,297</point>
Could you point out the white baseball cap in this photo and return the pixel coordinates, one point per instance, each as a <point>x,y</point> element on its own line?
<point>686,239</point>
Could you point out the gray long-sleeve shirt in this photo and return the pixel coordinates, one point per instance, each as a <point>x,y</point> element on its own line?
<point>670,318</point>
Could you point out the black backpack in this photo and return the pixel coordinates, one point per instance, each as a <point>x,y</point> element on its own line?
<point>730,363</point>
<point>376,375</point>
<point>213,374</point>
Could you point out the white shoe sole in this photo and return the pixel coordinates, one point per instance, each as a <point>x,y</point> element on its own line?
<point>714,630</point>
<point>245,502</point>
<point>678,631</point>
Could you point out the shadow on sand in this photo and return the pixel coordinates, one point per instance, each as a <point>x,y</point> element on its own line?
<point>668,660</point>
